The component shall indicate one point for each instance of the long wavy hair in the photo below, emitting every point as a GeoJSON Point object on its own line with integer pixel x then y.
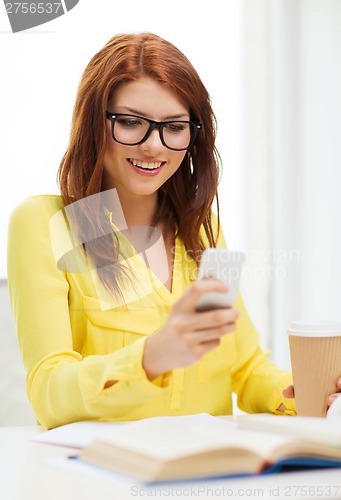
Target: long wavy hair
{"type": "Point", "coordinates": [186, 198]}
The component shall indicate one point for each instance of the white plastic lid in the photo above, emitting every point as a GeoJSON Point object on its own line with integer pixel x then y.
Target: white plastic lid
{"type": "Point", "coordinates": [315, 328]}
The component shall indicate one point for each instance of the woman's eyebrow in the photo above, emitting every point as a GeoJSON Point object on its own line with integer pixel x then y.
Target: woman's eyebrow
{"type": "Point", "coordinates": [141, 113]}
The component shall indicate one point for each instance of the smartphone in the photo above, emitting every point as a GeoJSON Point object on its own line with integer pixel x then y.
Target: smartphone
{"type": "Point", "coordinates": [226, 266]}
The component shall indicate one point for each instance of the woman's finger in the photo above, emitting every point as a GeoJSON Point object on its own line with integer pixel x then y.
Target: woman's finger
{"type": "Point", "coordinates": [332, 397]}
{"type": "Point", "coordinates": [205, 320]}
{"type": "Point", "coordinates": [188, 301]}
{"type": "Point", "coordinates": [204, 336]}
{"type": "Point", "coordinates": [289, 392]}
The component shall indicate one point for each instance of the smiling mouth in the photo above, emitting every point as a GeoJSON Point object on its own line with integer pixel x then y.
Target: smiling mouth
{"type": "Point", "coordinates": [146, 165]}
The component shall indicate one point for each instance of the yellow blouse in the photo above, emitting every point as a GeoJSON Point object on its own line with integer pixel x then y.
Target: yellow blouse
{"type": "Point", "coordinates": [73, 342]}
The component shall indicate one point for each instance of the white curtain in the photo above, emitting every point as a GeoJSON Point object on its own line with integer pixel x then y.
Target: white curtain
{"type": "Point", "coordinates": [292, 163]}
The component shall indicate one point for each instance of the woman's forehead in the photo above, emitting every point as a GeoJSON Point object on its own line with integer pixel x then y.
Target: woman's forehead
{"type": "Point", "coordinates": [146, 95]}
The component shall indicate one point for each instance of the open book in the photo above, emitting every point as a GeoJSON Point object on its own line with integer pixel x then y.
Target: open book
{"type": "Point", "coordinates": [196, 446]}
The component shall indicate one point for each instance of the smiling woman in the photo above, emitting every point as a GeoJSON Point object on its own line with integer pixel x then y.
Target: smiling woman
{"type": "Point", "coordinates": [153, 149]}
{"type": "Point", "coordinates": [103, 335]}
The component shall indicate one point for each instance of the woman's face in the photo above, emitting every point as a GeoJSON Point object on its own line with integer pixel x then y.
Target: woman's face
{"type": "Point", "coordinates": [142, 169]}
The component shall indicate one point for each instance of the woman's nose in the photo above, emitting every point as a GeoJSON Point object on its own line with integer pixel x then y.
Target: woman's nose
{"type": "Point", "coordinates": [153, 143]}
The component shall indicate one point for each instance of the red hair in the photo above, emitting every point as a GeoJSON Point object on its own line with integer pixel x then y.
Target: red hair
{"type": "Point", "coordinates": [185, 200]}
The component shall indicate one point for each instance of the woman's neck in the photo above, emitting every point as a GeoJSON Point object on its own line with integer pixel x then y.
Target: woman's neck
{"type": "Point", "coordinates": [139, 210]}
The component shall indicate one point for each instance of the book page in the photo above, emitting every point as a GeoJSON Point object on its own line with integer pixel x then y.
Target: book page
{"type": "Point", "coordinates": [76, 435]}
{"type": "Point", "coordinates": [315, 429]}
{"type": "Point", "coordinates": [172, 437]}
{"type": "Point", "coordinates": [80, 434]}
{"type": "Point", "coordinates": [167, 438]}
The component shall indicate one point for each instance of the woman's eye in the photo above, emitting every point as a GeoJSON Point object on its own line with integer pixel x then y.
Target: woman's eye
{"type": "Point", "coordinates": [129, 122]}
{"type": "Point", "coordinates": [175, 127]}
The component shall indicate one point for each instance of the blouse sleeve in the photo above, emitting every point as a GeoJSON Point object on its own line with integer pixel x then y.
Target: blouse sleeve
{"type": "Point", "coordinates": [256, 380]}
{"type": "Point", "coordinates": [62, 386]}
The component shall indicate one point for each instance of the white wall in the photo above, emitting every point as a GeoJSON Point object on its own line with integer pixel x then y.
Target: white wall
{"type": "Point", "coordinates": [41, 69]}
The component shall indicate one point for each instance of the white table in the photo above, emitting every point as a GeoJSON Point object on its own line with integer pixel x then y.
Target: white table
{"type": "Point", "coordinates": [35, 471]}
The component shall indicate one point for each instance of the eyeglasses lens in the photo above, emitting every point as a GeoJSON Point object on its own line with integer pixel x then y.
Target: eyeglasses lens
{"type": "Point", "coordinates": [131, 130]}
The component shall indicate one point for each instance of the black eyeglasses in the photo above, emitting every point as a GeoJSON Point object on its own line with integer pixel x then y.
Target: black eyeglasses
{"type": "Point", "coordinates": [132, 130]}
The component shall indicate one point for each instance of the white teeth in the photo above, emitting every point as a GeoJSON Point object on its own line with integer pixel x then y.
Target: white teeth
{"type": "Point", "coordinates": [144, 164]}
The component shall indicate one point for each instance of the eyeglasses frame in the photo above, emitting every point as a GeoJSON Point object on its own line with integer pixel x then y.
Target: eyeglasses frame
{"type": "Point", "coordinates": [154, 125]}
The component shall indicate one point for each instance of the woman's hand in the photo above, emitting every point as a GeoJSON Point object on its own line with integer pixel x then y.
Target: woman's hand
{"type": "Point", "coordinates": [335, 395]}
{"type": "Point", "coordinates": [289, 392]}
{"type": "Point", "coordinates": [188, 335]}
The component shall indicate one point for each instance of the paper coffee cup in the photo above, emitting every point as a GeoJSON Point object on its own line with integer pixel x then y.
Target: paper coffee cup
{"type": "Point", "coordinates": [315, 352]}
